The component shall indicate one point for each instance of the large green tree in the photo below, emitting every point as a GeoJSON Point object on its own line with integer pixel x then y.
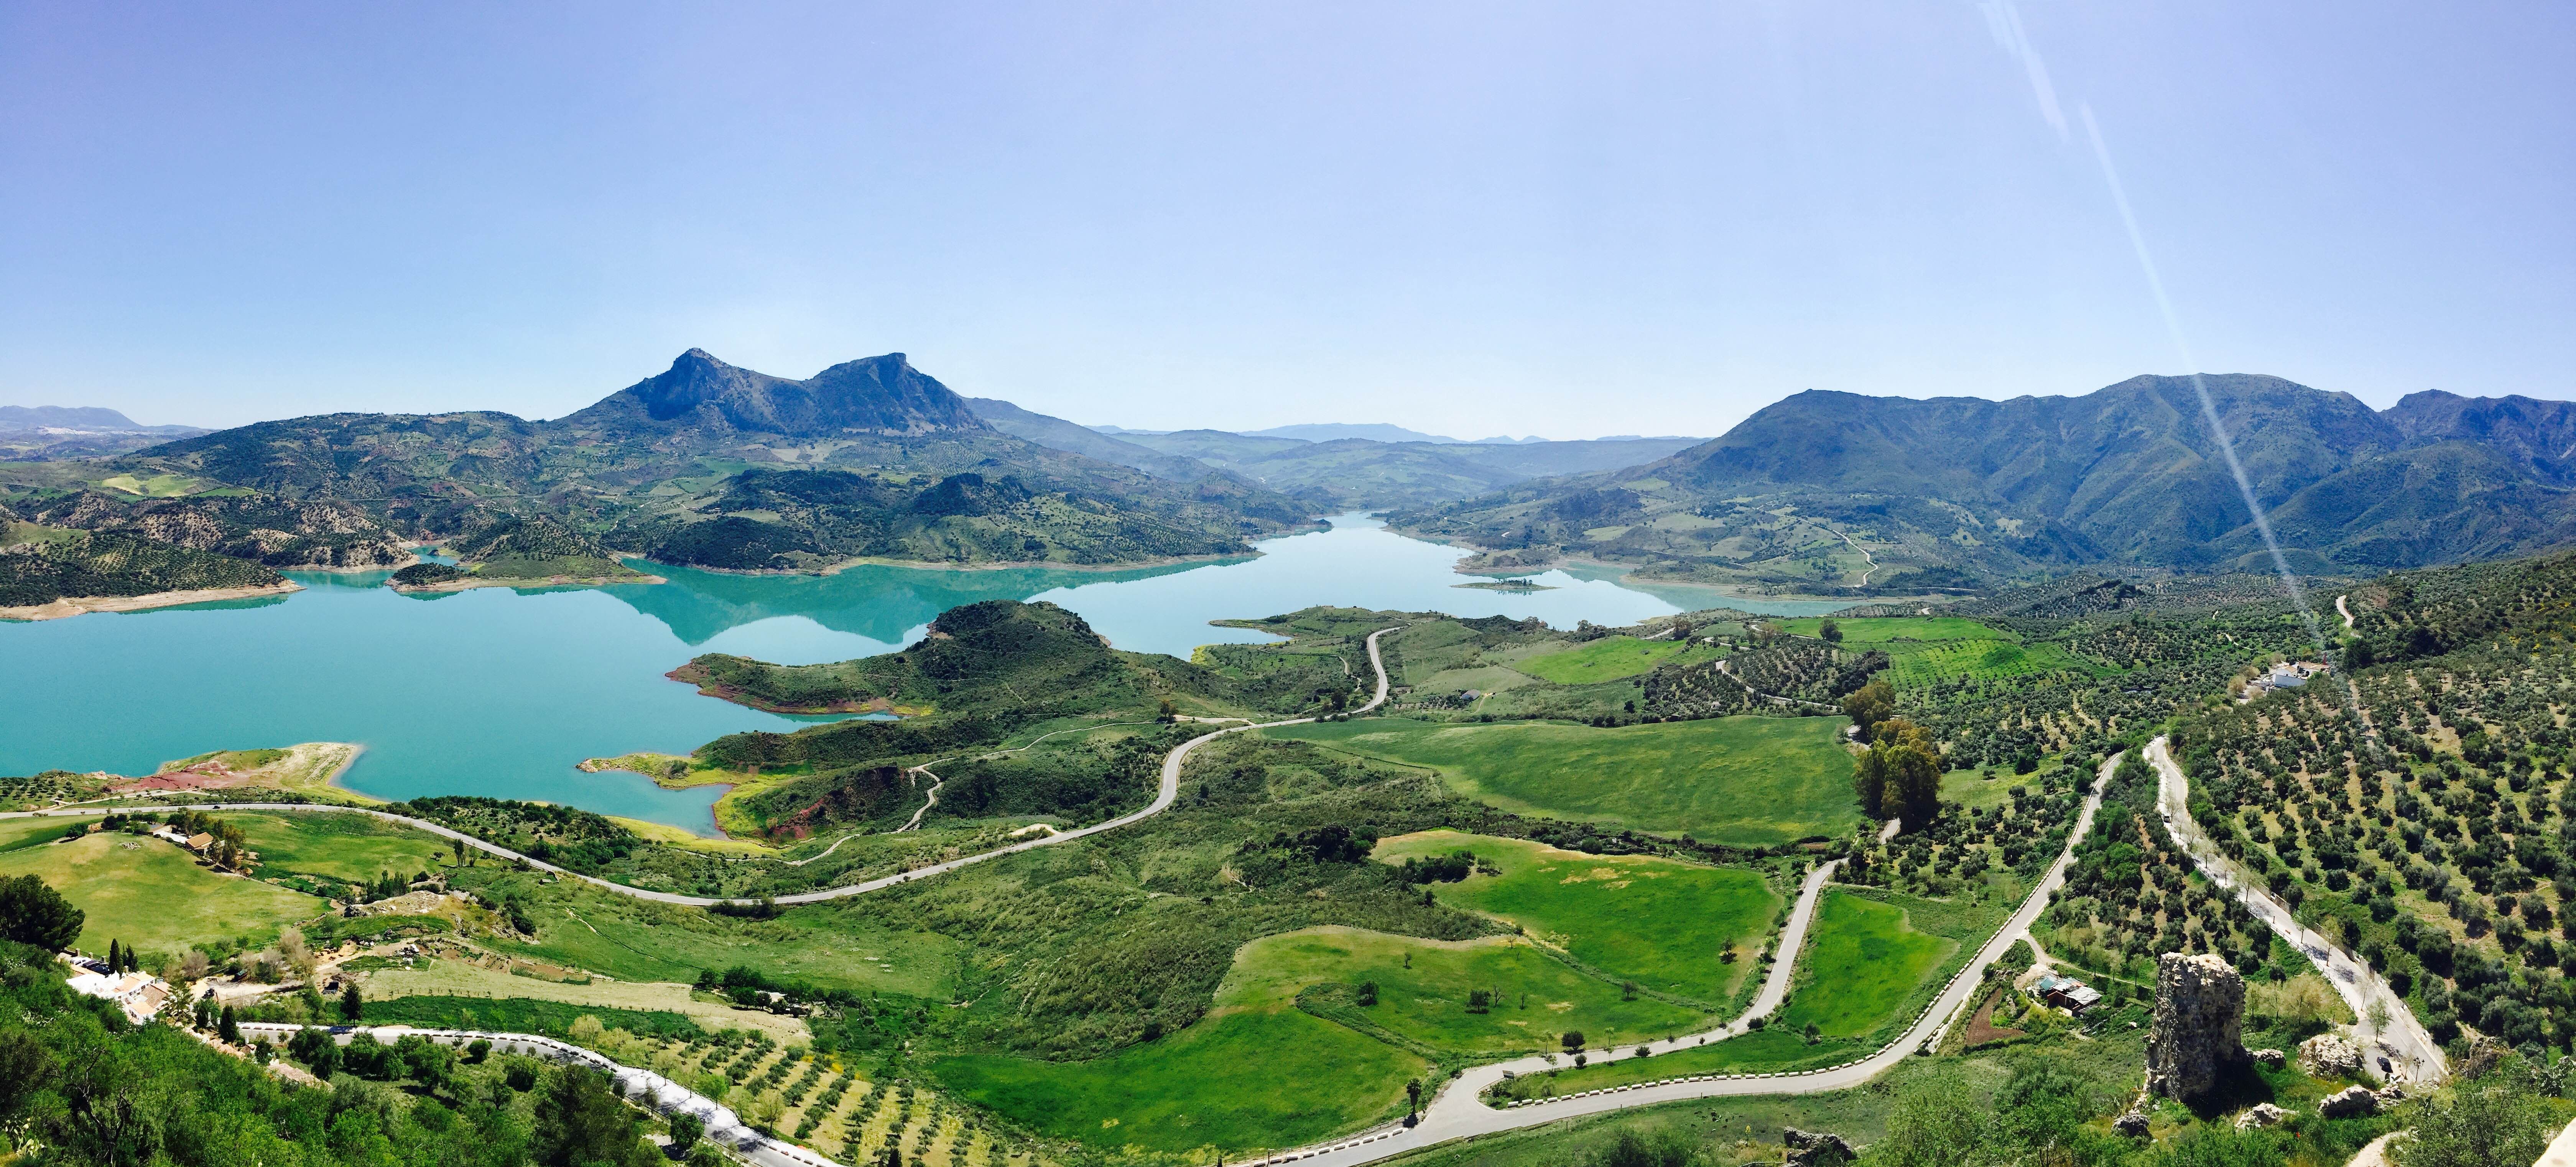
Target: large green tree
{"type": "Point", "coordinates": [582, 1123]}
{"type": "Point", "coordinates": [32, 912]}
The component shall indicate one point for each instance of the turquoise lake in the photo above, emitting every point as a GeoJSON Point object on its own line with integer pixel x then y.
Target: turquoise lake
{"type": "Point", "coordinates": [499, 692]}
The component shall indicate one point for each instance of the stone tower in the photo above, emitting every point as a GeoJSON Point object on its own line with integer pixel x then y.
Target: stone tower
{"type": "Point", "coordinates": [2200, 1002]}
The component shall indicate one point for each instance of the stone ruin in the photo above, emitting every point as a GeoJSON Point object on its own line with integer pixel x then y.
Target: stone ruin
{"type": "Point", "coordinates": [2196, 1035]}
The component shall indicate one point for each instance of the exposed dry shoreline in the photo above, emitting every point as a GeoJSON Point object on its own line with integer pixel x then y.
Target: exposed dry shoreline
{"type": "Point", "coordinates": [76, 605]}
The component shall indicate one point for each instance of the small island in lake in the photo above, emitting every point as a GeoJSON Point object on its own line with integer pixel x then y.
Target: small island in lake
{"type": "Point", "coordinates": [1507, 585]}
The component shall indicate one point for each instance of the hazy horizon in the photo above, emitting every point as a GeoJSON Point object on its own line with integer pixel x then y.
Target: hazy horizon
{"type": "Point", "coordinates": [1553, 220]}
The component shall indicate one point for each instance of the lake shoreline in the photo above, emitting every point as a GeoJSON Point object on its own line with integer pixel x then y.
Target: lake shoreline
{"type": "Point", "coordinates": [469, 583]}
{"type": "Point", "coordinates": [82, 605]}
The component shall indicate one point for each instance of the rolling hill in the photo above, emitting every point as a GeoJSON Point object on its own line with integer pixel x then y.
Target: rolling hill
{"type": "Point", "coordinates": [1842, 493]}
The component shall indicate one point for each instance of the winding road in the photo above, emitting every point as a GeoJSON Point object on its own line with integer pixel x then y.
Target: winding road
{"type": "Point", "coordinates": [2411, 1051]}
{"type": "Point", "coordinates": [1459, 1110]}
{"type": "Point", "coordinates": [1163, 799]}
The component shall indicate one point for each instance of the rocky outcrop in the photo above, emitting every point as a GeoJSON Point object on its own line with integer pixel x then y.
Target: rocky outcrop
{"type": "Point", "coordinates": [2328, 1056]}
{"type": "Point", "coordinates": [2272, 1059]}
{"type": "Point", "coordinates": [1815, 1148]}
{"type": "Point", "coordinates": [2350, 1102]}
{"type": "Point", "coordinates": [2262, 1114]}
{"type": "Point", "coordinates": [2195, 1037]}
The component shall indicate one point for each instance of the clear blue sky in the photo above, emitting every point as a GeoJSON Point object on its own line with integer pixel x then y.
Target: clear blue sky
{"type": "Point", "coordinates": [1565, 219]}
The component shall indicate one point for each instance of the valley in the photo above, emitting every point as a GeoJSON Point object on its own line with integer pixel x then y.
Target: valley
{"type": "Point", "coordinates": [967, 875]}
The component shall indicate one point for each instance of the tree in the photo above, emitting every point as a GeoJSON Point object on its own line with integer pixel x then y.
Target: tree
{"type": "Point", "coordinates": [1908, 764]}
{"type": "Point", "coordinates": [458, 846]}
{"type": "Point", "coordinates": [1830, 631]}
{"type": "Point", "coordinates": [1870, 704]}
{"type": "Point", "coordinates": [1412, 1098]}
{"type": "Point", "coordinates": [228, 1027]}
{"type": "Point", "coordinates": [353, 1005]}
{"type": "Point", "coordinates": [26, 1068]}
{"type": "Point", "coordinates": [686, 1129]}
{"type": "Point", "coordinates": [32, 912]}
{"type": "Point", "coordinates": [580, 1121]}
{"type": "Point", "coordinates": [2495, 1119]}
{"type": "Point", "coordinates": [1573, 1039]}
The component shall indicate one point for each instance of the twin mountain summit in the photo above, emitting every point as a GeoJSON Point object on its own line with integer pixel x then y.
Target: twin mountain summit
{"type": "Point", "coordinates": [1823, 493]}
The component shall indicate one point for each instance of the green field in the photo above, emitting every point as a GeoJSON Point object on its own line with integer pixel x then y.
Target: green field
{"type": "Point", "coordinates": [1762, 1051]}
{"type": "Point", "coordinates": [1881, 630]}
{"type": "Point", "coordinates": [1259, 1072]}
{"type": "Point", "coordinates": [1611, 658]}
{"type": "Point", "coordinates": [1861, 962]}
{"type": "Point", "coordinates": [1922, 664]}
{"type": "Point", "coordinates": [1256, 1072]}
{"type": "Point", "coordinates": [1659, 922]}
{"type": "Point", "coordinates": [1423, 987]}
{"type": "Point", "coordinates": [152, 895]}
{"type": "Point", "coordinates": [637, 940]}
{"type": "Point", "coordinates": [1750, 781]}
{"type": "Point", "coordinates": [341, 846]}
{"type": "Point", "coordinates": [1924, 649]}
{"type": "Point", "coordinates": [18, 833]}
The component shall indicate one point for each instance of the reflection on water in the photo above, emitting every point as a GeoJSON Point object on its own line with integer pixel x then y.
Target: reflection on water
{"type": "Point", "coordinates": [498, 692]}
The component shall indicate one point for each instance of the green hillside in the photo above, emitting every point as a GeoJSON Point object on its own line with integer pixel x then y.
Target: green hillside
{"type": "Point", "coordinates": [1837, 493]}
{"type": "Point", "coordinates": [42, 570]}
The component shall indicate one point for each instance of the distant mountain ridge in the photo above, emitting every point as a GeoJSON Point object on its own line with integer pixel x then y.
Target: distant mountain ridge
{"type": "Point", "coordinates": [881, 460]}
{"type": "Point", "coordinates": [877, 395]}
{"type": "Point", "coordinates": [43, 433]}
{"type": "Point", "coordinates": [2126, 475]}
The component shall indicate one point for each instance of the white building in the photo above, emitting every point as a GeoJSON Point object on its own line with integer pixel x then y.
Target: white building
{"type": "Point", "coordinates": [142, 994]}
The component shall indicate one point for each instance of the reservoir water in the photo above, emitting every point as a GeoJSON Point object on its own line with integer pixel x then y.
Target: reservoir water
{"type": "Point", "coordinates": [499, 692]}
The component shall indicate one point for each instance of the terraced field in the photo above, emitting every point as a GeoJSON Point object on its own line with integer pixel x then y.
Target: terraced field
{"type": "Point", "coordinates": [819, 1102]}
{"type": "Point", "coordinates": [1924, 649]}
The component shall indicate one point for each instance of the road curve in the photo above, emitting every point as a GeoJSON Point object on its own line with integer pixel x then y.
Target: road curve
{"type": "Point", "coordinates": [643, 1087]}
{"type": "Point", "coordinates": [1459, 1111]}
{"type": "Point", "coordinates": [2412, 1052]}
{"type": "Point", "coordinates": [2344, 612]}
{"type": "Point", "coordinates": [1163, 799]}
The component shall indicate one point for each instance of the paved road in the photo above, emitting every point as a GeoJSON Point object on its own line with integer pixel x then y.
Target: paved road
{"type": "Point", "coordinates": [1459, 1110]}
{"type": "Point", "coordinates": [1163, 799]}
{"type": "Point", "coordinates": [2411, 1051]}
{"type": "Point", "coordinates": [644, 1086]}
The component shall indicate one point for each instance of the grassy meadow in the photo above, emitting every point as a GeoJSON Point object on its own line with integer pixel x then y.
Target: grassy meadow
{"type": "Point", "coordinates": [1423, 988]}
{"type": "Point", "coordinates": [1863, 959]}
{"type": "Point", "coordinates": [637, 940]}
{"type": "Point", "coordinates": [341, 846]}
{"type": "Point", "coordinates": [152, 895]}
{"type": "Point", "coordinates": [1750, 781]}
{"type": "Point", "coordinates": [1256, 1072]}
{"type": "Point", "coordinates": [1611, 658]}
{"type": "Point", "coordinates": [1657, 921]}
{"type": "Point", "coordinates": [1247, 1075]}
